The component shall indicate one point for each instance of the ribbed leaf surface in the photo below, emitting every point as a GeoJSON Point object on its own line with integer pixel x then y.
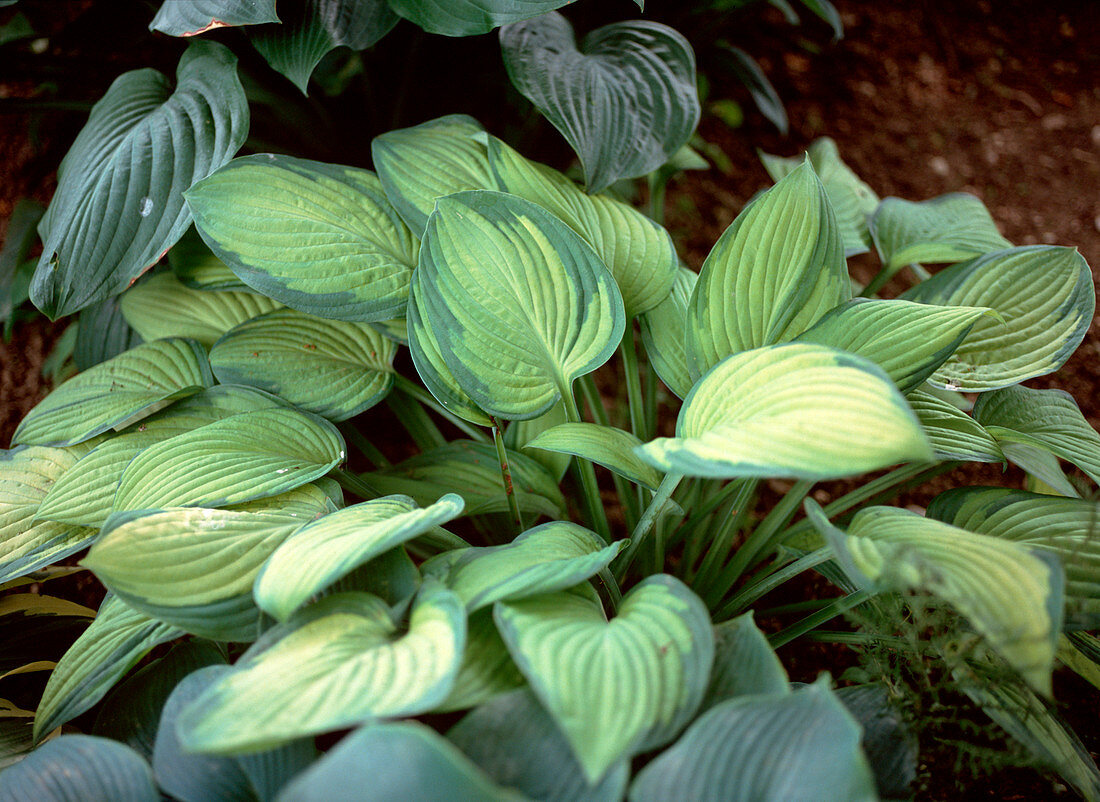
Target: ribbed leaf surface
{"type": "Point", "coordinates": [320, 238]}
{"type": "Point", "coordinates": [626, 100]}
{"type": "Point", "coordinates": [604, 445]}
{"type": "Point", "coordinates": [664, 329]}
{"type": "Point", "coordinates": [744, 663]}
{"type": "Point", "coordinates": [119, 201]}
{"type": "Point", "coordinates": [487, 670]}
{"type": "Point", "coordinates": [79, 768]}
{"type": "Point", "coordinates": [954, 435]}
{"type": "Point", "coordinates": [192, 17]}
{"type": "Point", "coordinates": [470, 17]}
{"type": "Point", "coordinates": [198, 268]}
{"type": "Point", "coordinates": [103, 333]}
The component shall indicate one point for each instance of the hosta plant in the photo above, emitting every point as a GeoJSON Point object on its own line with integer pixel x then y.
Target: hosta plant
{"type": "Point", "coordinates": [368, 464]}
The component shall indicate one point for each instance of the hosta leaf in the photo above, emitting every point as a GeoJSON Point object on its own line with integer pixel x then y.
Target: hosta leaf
{"type": "Point", "coordinates": [744, 663]}
{"type": "Point", "coordinates": [338, 663]}
{"type": "Point", "coordinates": [1011, 594]}
{"type": "Point", "coordinates": [320, 238]}
{"type": "Point", "coordinates": [26, 476]}
{"type": "Point", "coordinates": [760, 88]}
{"type": "Point", "coordinates": [487, 669]}
{"type": "Point", "coordinates": [949, 228]}
{"type": "Point", "coordinates": [554, 312]}
{"type": "Point", "coordinates": [119, 200]}
{"type": "Point", "coordinates": [114, 643]}
{"type": "Point", "coordinates": [102, 333]}
{"type": "Point", "coordinates": [954, 435]}
{"type": "Point", "coordinates": [470, 17]}
{"type": "Point", "coordinates": [313, 28]}
{"type": "Point", "coordinates": [515, 741]}
{"type": "Point", "coordinates": [773, 273]}
{"type": "Point", "coordinates": [604, 445]}
{"type": "Point", "coordinates": [664, 330]}
{"type": "Point", "coordinates": [1038, 329]}
{"type": "Point", "coordinates": [333, 368]}
{"type": "Point", "coordinates": [192, 17]}
{"type": "Point", "coordinates": [1045, 419]}
{"type": "Point", "coordinates": [430, 475]}
{"type": "Point", "coordinates": [391, 576]}
{"type": "Point", "coordinates": [798, 410]}
{"type": "Point", "coordinates": [78, 768]}
{"type": "Point", "coordinates": [888, 741]}
{"type": "Point", "coordinates": [420, 164]}
{"type": "Point", "coordinates": [907, 340]}
{"type": "Point", "coordinates": [546, 559]}
{"type": "Point", "coordinates": [626, 100]}
{"type": "Point", "coordinates": [852, 200]}
{"type": "Point", "coordinates": [637, 251]}
{"type": "Point", "coordinates": [198, 268]}
{"type": "Point", "coordinates": [659, 646]}
{"type": "Point", "coordinates": [231, 461]}
{"type": "Point", "coordinates": [519, 433]}
{"type": "Point", "coordinates": [322, 552]}
{"type": "Point", "coordinates": [1041, 466]}
{"type": "Point", "coordinates": [1068, 527]}
{"type": "Point", "coordinates": [384, 762]}
{"type": "Point", "coordinates": [801, 746]}
{"type": "Point", "coordinates": [163, 307]}
{"type": "Point", "coordinates": [116, 393]}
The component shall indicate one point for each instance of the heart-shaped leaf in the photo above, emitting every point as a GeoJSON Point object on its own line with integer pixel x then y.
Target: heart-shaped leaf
{"type": "Point", "coordinates": [487, 669]}
{"type": "Point", "coordinates": [554, 314]}
{"type": "Point", "coordinates": [1037, 330]}
{"type": "Point", "coordinates": [163, 307]}
{"type": "Point", "coordinates": [471, 17]}
{"type": "Point", "coordinates": [322, 552]}
{"type": "Point", "coordinates": [663, 333]}
{"type": "Point", "coordinates": [626, 100]}
{"type": "Point", "coordinates": [77, 768]}
{"type": "Point", "coordinates": [604, 445]}
{"type": "Point", "coordinates": [333, 368]}
{"type": "Point", "coordinates": [798, 410]}
{"type": "Point", "coordinates": [773, 273]}
{"type": "Point", "coordinates": [954, 435]}
{"type": "Point", "coordinates": [119, 200]}
{"type": "Point", "coordinates": [116, 393]}
{"type": "Point", "coordinates": [320, 238]}
{"type": "Point", "coordinates": [659, 645]}
{"type": "Point", "coordinates": [744, 663]}
{"type": "Point", "coordinates": [340, 662]}
{"type": "Point", "coordinates": [192, 17]}
{"type": "Point", "coordinates": [546, 559]}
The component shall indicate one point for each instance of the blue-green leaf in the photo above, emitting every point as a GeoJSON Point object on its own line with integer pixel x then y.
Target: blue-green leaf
{"type": "Point", "coordinates": [193, 17]}
{"type": "Point", "coordinates": [470, 17]}
{"type": "Point", "coordinates": [80, 768]}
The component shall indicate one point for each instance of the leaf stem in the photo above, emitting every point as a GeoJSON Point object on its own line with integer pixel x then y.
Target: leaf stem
{"type": "Point", "coordinates": [597, 515]}
{"type": "Point", "coordinates": [412, 390]}
{"type": "Point", "coordinates": [752, 593]}
{"type": "Point", "coordinates": [649, 517]}
{"type": "Point", "coordinates": [633, 383]}
{"type": "Point", "coordinates": [366, 447]}
{"type": "Point", "coordinates": [722, 542]}
{"type": "Point", "coordinates": [355, 484]}
{"type": "Point", "coordinates": [627, 497]}
{"type": "Point", "coordinates": [828, 613]}
{"type": "Point", "coordinates": [506, 475]}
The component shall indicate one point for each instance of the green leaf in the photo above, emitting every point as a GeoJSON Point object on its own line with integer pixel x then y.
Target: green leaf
{"type": "Point", "coordinates": [907, 340]}
{"type": "Point", "coordinates": [198, 268]}
{"type": "Point", "coordinates": [1045, 419]}
{"type": "Point", "coordinates": [888, 741]}
{"type": "Point", "coordinates": [744, 663]}
{"type": "Point", "coordinates": [663, 333]}
{"type": "Point", "coordinates": [323, 551]}
{"type": "Point", "coordinates": [626, 100]}
{"type": "Point", "coordinates": [604, 445]}
{"type": "Point", "coordinates": [313, 28]}
{"type": "Point", "coordinates": [116, 393]}
{"type": "Point", "coordinates": [19, 238]}
{"type": "Point", "coordinates": [384, 762]}
{"type": "Point", "coordinates": [78, 768]}
{"type": "Point", "coordinates": [954, 435]}
{"type": "Point", "coordinates": [1041, 466]}
{"type": "Point", "coordinates": [1066, 527]}
{"type": "Point", "coordinates": [1038, 329]}
{"type": "Point", "coordinates": [472, 17]}
{"type": "Point", "coordinates": [420, 164]}
{"type": "Point", "coordinates": [163, 307]}
{"type": "Point", "coordinates": [760, 88]}
{"type": "Point", "coordinates": [102, 333]}
{"type": "Point", "coordinates": [1010, 594]}
{"type": "Point", "coordinates": [773, 273]}
{"type": "Point", "coordinates": [852, 200]}
{"type": "Point", "coordinates": [340, 662]}
{"type": "Point", "coordinates": [801, 746]}
{"type": "Point", "coordinates": [796, 410]}
{"type": "Point", "coordinates": [487, 670]}
{"type": "Point", "coordinates": [119, 200]}
{"type": "Point", "coordinates": [114, 643]}
{"type": "Point", "coordinates": [521, 432]}
{"type": "Point", "coordinates": [555, 313]}
{"type": "Point", "coordinates": [950, 228]}
{"type": "Point", "coordinates": [320, 238]}
{"type": "Point", "coordinates": [658, 649]}
{"type": "Point", "coordinates": [430, 475]}
{"type": "Point", "coordinates": [192, 17]}
{"type": "Point", "coordinates": [515, 741]}
{"type": "Point", "coordinates": [637, 251]}
{"type": "Point", "coordinates": [333, 368]}
{"type": "Point", "coordinates": [231, 461]}
{"type": "Point", "coordinates": [546, 559]}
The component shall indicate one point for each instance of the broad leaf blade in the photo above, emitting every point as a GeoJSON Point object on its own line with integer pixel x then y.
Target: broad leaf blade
{"type": "Point", "coordinates": [487, 669]}
{"type": "Point", "coordinates": [604, 445]}
{"type": "Point", "coordinates": [664, 331]}
{"type": "Point", "coordinates": [193, 17]}
{"type": "Point", "coordinates": [472, 17]}
{"type": "Point", "coordinates": [744, 663]}
{"type": "Point", "coordinates": [950, 228]}
{"type": "Point", "coordinates": [954, 435]}
{"type": "Point", "coordinates": [76, 768]}
{"type": "Point", "coordinates": [102, 333]}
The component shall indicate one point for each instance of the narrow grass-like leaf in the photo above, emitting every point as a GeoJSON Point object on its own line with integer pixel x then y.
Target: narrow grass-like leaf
{"type": "Point", "coordinates": [78, 768]}
{"type": "Point", "coordinates": [1038, 329]}
{"type": "Point", "coordinates": [340, 662]}
{"type": "Point", "coordinates": [487, 668]}
{"type": "Point", "coordinates": [604, 445]}
{"type": "Point", "coordinates": [322, 552]}
{"type": "Point", "coordinates": [192, 17]}
{"type": "Point", "coordinates": [664, 330]}
{"type": "Point", "coordinates": [798, 410]}
{"type": "Point", "coordinates": [744, 663]}
{"type": "Point", "coordinates": [773, 273]}
{"type": "Point", "coordinates": [320, 238]}
{"type": "Point", "coordinates": [519, 304]}
{"type": "Point", "coordinates": [954, 435]}
{"type": "Point", "coordinates": [119, 201]}
{"type": "Point", "coordinates": [760, 88]}
{"type": "Point", "coordinates": [333, 368]}
{"type": "Point", "coordinates": [626, 100]}
{"type": "Point", "coordinates": [470, 17]}
{"type": "Point", "coordinates": [116, 393]}
{"type": "Point", "coordinates": [163, 307]}
{"type": "Point", "coordinates": [659, 645]}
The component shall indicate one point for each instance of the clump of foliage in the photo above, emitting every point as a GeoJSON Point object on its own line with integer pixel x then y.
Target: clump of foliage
{"type": "Point", "coordinates": [248, 389]}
